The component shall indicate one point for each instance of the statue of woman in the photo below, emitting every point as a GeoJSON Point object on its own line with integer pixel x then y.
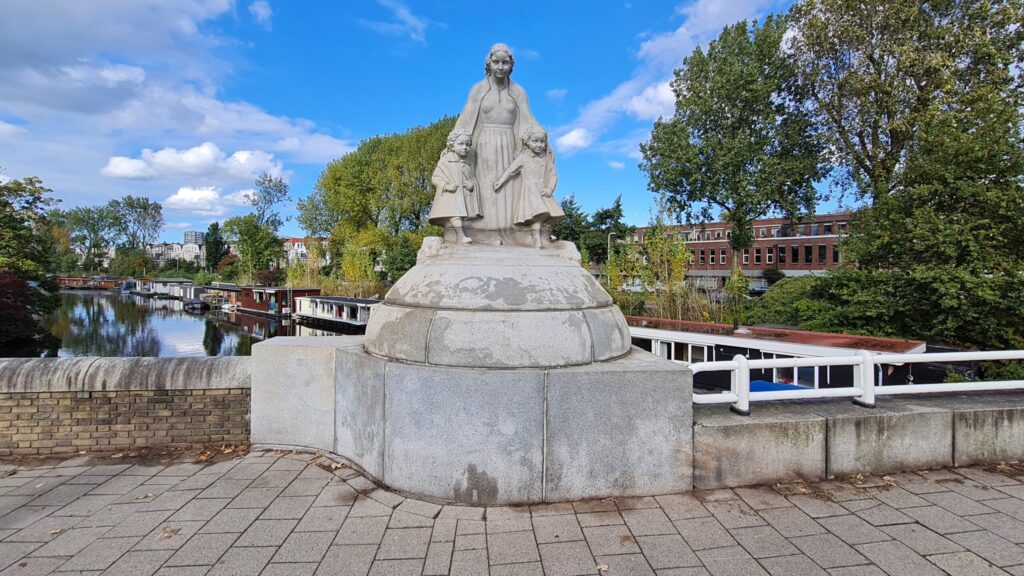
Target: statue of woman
{"type": "Point", "coordinates": [495, 114]}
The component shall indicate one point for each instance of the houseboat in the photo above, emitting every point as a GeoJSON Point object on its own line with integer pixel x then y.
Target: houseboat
{"type": "Point", "coordinates": [692, 342]}
{"type": "Point", "coordinates": [335, 311]}
{"type": "Point", "coordinates": [222, 295]}
{"type": "Point", "coordinates": [272, 300]}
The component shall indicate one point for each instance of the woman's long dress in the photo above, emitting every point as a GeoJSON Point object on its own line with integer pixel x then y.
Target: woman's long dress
{"type": "Point", "coordinates": [495, 149]}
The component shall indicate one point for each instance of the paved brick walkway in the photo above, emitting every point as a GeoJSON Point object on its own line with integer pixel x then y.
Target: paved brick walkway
{"type": "Point", "coordinates": [278, 514]}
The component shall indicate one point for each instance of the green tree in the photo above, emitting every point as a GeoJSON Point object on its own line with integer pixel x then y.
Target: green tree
{"type": "Point", "coordinates": [259, 248]}
{"type": "Point", "coordinates": [270, 191]}
{"type": "Point", "coordinates": [137, 221]}
{"type": "Point", "coordinates": [132, 262]}
{"type": "Point", "coordinates": [92, 229]}
{"type": "Point", "coordinates": [214, 245]}
{"type": "Point", "coordinates": [575, 224]}
{"type": "Point", "coordinates": [740, 141]}
{"type": "Point", "coordinates": [605, 221]}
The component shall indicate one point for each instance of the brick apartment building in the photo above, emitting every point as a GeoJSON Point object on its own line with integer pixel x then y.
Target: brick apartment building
{"type": "Point", "coordinates": [796, 249]}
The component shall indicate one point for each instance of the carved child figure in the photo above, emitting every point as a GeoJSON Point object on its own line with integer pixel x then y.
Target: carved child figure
{"type": "Point", "coordinates": [535, 206]}
{"type": "Point", "coordinates": [456, 196]}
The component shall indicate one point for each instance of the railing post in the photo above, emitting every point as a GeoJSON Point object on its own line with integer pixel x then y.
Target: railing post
{"type": "Point", "coordinates": [864, 378]}
{"type": "Point", "coordinates": [741, 386]}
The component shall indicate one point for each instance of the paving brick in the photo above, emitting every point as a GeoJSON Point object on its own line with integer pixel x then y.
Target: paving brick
{"type": "Point", "coordinates": [734, 514]}
{"type": "Point", "coordinates": [460, 513]}
{"type": "Point", "coordinates": [973, 490]}
{"type": "Point", "coordinates": [682, 506]}
{"type": "Point", "coordinates": [468, 563]}
{"type": "Point", "coordinates": [242, 561]}
{"type": "Point", "coordinates": [987, 478]}
{"type": "Point", "coordinates": [255, 498]}
{"type": "Point", "coordinates": [853, 529]}
{"type": "Point", "coordinates": [336, 495]}
{"type": "Point", "coordinates": [940, 520]}
{"type": "Point", "coordinates": [527, 569]}
{"type": "Point", "coordinates": [610, 540]}
{"type": "Point", "coordinates": [921, 539]}
{"type": "Point", "coordinates": [419, 508]}
{"type": "Point", "coordinates": [730, 561]}
{"type": "Point", "coordinates": [565, 559]}
{"type": "Point", "coordinates": [763, 542]}
{"type": "Point", "coordinates": [512, 548]}
{"type": "Point", "coordinates": [142, 563]}
{"type": "Point", "coordinates": [34, 567]}
{"type": "Point", "coordinates": [599, 519]}
{"type": "Point", "coordinates": [502, 525]}
{"type": "Point", "coordinates": [895, 558]}
{"type": "Point", "coordinates": [957, 503]}
{"type": "Point", "coordinates": [964, 564]}
{"type": "Point", "coordinates": [347, 560]}
{"type": "Point", "coordinates": [879, 514]}
{"type": "Point", "coordinates": [587, 506]}
{"type": "Point", "coordinates": [168, 536]}
{"type": "Point", "coordinates": [828, 551]}
{"type": "Point", "coordinates": [1001, 525]}
{"type": "Point", "coordinates": [704, 533]}
{"type": "Point", "coordinates": [396, 568]}
{"type": "Point", "coordinates": [762, 498]}
{"type": "Point", "coordinates": [71, 542]}
{"type": "Point", "coordinates": [470, 542]}
{"type": "Point", "coordinates": [667, 551]}
{"type": "Point", "coordinates": [290, 569]}
{"type": "Point", "coordinates": [439, 559]}
{"type": "Point", "coordinates": [287, 508]}
{"type": "Point", "coordinates": [898, 497]}
{"type": "Point", "coordinates": [202, 549]}
{"type": "Point", "coordinates": [404, 543]}
{"type": "Point", "coordinates": [792, 522]}
{"type": "Point", "coordinates": [470, 527]}
{"type": "Point", "coordinates": [444, 530]}
{"type": "Point", "coordinates": [552, 509]}
{"type": "Point", "coordinates": [231, 520]}
{"type": "Point", "coordinates": [304, 547]}
{"type": "Point", "coordinates": [100, 554]}
{"type": "Point", "coordinates": [648, 522]}
{"type": "Point", "coordinates": [323, 519]}
{"type": "Point", "coordinates": [797, 565]}
{"type": "Point", "coordinates": [563, 528]}
{"type": "Point", "coordinates": [624, 565]}
{"type": "Point", "coordinates": [817, 507]}
{"type": "Point", "coordinates": [369, 530]}
{"type": "Point", "coordinates": [995, 549]}
{"type": "Point", "coordinates": [266, 533]}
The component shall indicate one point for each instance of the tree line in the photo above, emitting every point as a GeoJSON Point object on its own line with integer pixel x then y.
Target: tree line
{"type": "Point", "coordinates": [911, 109]}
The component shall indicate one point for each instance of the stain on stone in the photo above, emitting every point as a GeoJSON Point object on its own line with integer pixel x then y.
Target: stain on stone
{"type": "Point", "coordinates": [475, 487]}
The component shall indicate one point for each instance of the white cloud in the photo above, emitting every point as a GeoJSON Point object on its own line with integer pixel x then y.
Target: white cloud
{"type": "Point", "coordinates": [616, 165]}
{"type": "Point", "coordinates": [575, 139]}
{"type": "Point", "coordinates": [646, 94]}
{"type": "Point", "coordinates": [8, 130]}
{"type": "Point", "coordinates": [177, 226]}
{"type": "Point", "coordinates": [261, 11]}
{"type": "Point", "coordinates": [556, 93]}
{"type": "Point", "coordinates": [656, 101]}
{"type": "Point", "coordinates": [404, 22]}
{"type": "Point", "coordinates": [206, 200]}
{"type": "Point", "coordinates": [206, 161]}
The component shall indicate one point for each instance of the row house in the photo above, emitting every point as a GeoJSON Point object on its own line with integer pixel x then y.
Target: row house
{"type": "Point", "coordinates": [298, 250]}
{"type": "Point", "coordinates": [796, 249]}
{"type": "Point", "coordinates": [167, 251]}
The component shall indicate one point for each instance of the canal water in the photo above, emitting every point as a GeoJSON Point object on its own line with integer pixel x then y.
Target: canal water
{"type": "Point", "coordinates": [115, 324]}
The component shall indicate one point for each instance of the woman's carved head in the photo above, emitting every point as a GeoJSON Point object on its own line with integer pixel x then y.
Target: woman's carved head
{"type": "Point", "coordinates": [500, 61]}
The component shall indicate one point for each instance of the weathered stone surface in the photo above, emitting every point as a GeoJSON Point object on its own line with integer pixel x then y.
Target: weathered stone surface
{"type": "Point", "coordinates": [509, 340]}
{"type": "Point", "coordinates": [730, 450]}
{"type": "Point", "coordinates": [44, 374]}
{"type": "Point", "coordinates": [359, 409]}
{"type": "Point", "coordinates": [986, 427]}
{"type": "Point", "coordinates": [890, 438]}
{"type": "Point", "coordinates": [619, 428]}
{"type": "Point", "coordinates": [473, 436]}
{"type": "Point", "coordinates": [293, 390]}
{"type": "Point", "coordinates": [400, 333]}
{"type": "Point", "coordinates": [611, 337]}
{"type": "Point", "coordinates": [103, 374]}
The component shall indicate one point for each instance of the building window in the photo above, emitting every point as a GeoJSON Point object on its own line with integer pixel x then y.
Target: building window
{"type": "Point", "coordinates": [721, 257]}
{"type": "Point", "coordinates": [828, 228]}
{"type": "Point", "coordinates": [702, 257]}
{"type": "Point", "coordinates": [757, 255]}
{"type": "Point", "coordinates": [693, 255]}
{"type": "Point", "coordinates": [764, 232]}
{"type": "Point", "coordinates": [842, 227]}
{"type": "Point", "coordinates": [835, 254]}
{"type": "Point", "coordinates": [707, 235]}
{"type": "Point", "coordinates": [808, 254]}
{"type": "Point", "coordinates": [728, 234]}
{"type": "Point", "coordinates": [775, 232]}
{"type": "Point", "coordinates": [769, 253]}
{"type": "Point", "coordinates": [782, 254]}
{"type": "Point", "coordinates": [718, 234]}
{"type": "Point", "coordinates": [822, 256]}
{"type": "Point", "coordinates": [712, 256]}
{"type": "Point", "coordinates": [746, 256]}
{"type": "Point", "coordinates": [795, 253]}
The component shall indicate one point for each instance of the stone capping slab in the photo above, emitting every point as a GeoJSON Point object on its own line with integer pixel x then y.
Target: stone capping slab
{"type": "Point", "coordinates": [20, 375]}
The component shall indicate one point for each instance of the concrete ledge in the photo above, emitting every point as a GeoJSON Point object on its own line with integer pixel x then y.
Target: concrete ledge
{"type": "Point", "coordinates": [109, 374]}
{"type": "Point", "coordinates": [773, 444]}
{"type": "Point", "coordinates": [987, 428]}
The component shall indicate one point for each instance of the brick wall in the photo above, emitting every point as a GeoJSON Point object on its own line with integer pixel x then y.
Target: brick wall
{"type": "Point", "coordinates": [53, 406]}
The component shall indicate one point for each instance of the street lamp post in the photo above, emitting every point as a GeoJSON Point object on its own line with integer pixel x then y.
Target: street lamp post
{"type": "Point", "coordinates": [607, 258]}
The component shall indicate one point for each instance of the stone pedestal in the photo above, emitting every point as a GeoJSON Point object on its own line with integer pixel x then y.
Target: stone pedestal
{"type": "Point", "coordinates": [480, 436]}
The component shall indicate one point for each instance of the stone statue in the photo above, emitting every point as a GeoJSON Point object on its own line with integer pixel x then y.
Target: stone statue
{"type": "Point", "coordinates": [496, 114]}
{"type": "Point", "coordinates": [455, 186]}
{"type": "Point", "coordinates": [535, 206]}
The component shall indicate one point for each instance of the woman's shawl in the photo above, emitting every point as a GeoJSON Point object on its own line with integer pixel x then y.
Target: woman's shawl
{"type": "Point", "coordinates": [468, 120]}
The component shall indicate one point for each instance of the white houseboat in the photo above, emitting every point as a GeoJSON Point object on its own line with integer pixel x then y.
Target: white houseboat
{"type": "Point", "coordinates": [335, 311]}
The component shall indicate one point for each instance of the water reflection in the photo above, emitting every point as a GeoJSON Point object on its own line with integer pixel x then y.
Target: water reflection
{"type": "Point", "coordinates": [113, 324]}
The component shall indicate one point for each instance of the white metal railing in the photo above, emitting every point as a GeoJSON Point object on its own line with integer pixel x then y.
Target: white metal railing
{"type": "Point", "coordinates": [864, 387]}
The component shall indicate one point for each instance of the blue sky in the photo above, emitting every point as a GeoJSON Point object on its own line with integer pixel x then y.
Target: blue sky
{"type": "Point", "coordinates": [185, 101]}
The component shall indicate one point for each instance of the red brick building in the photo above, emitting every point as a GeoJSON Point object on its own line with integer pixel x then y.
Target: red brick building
{"type": "Point", "coordinates": [796, 249]}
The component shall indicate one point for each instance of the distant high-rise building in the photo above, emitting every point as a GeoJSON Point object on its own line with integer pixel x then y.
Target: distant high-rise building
{"type": "Point", "coordinates": [193, 237]}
